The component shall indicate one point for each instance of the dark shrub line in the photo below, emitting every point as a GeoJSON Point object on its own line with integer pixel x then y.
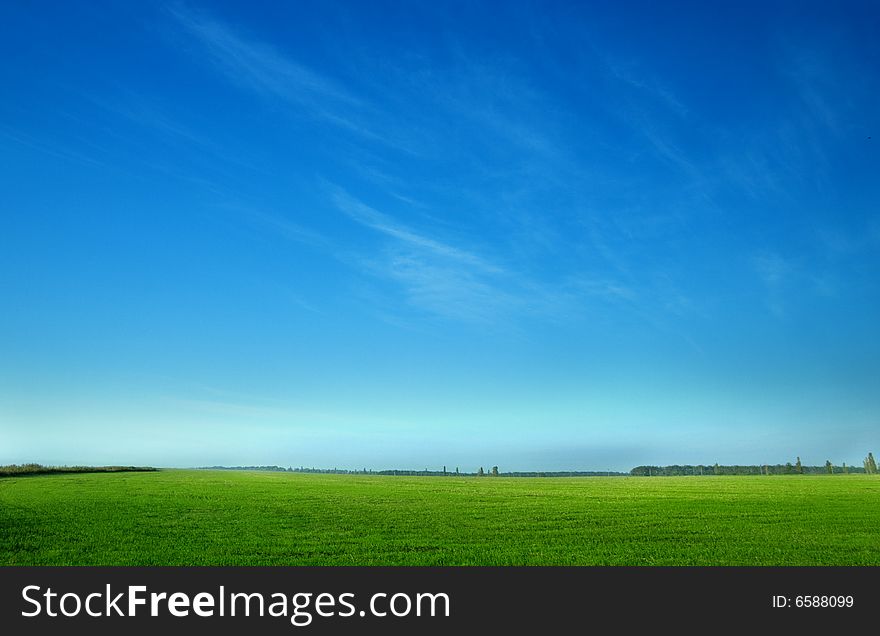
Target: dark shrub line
{"type": "Point", "coordinates": [38, 469]}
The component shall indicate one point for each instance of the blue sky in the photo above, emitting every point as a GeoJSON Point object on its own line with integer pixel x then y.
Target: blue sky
{"type": "Point", "coordinates": [537, 235]}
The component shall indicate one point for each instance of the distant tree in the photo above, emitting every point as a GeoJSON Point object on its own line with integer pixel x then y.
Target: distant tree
{"type": "Point", "coordinates": [788, 468]}
{"type": "Point", "coordinates": [716, 469]}
{"type": "Point", "coordinates": [480, 472]}
{"type": "Point", "coordinates": [845, 469]}
{"type": "Point", "coordinates": [494, 471]}
{"type": "Point", "coordinates": [870, 464]}
{"type": "Point", "coordinates": [444, 470]}
{"type": "Point", "coordinates": [798, 468]}
{"type": "Point", "coordinates": [456, 470]}
{"type": "Point", "coordinates": [829, 468]}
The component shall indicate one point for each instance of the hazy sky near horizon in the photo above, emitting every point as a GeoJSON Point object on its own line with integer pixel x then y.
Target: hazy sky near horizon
{"type": "Point", "coordinates": [538, 235]}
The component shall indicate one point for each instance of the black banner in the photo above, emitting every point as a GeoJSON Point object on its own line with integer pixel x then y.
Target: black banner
{"type": "Point", "coordinates": [433, 600]}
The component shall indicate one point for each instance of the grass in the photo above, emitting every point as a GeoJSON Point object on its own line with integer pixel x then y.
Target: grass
{"type": "Point", "coordinates": [240, 518]}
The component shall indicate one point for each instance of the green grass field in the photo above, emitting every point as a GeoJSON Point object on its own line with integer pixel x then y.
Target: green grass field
{"type": "Point", "coordinates": [238, 518]}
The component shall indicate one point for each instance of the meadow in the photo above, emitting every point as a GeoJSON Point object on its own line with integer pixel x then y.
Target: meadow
{"type": "Point", "coordinates": [177, 517]}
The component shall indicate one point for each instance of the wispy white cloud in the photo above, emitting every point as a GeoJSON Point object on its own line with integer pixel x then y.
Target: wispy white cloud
{"type": "Point", "coordinates": [137, 109]}
{"type": "Point", "coordinates": [651, 86]}
{"type": "Point", "coordinates": [54, 149]}
{"type": "Point", "coordinates": [669, 152]}
{"type": "Point", "coordinates": [456, 283]}
{"type": "Point", "coordinates": [259, 66]}
{"type": "Point", "coordinates": [288, 229]}
{"type": "Point", "coordinates": [816, 86]}
{"type": "Point", "coordinates": [525, 178]}
{"type": "Point", "coordinates": [452, 291]}
{"type": "Point", "coordinates": [604, 288]}
{"type": "Point", "coordinates": [369, 217]}
{"type": "Point", "coordinates": [436, 276]}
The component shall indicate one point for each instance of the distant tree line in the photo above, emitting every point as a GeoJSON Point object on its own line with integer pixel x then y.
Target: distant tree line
{"type": "Point", "coordinates": [789, 468]}
{"type": "Point", "coordinates": [565, 473]}
{"type": "Point", "coordinates": [764, 469]}
{"type": "Point", "coordinates": [494, 472]}
{"type": "Point", "coordinates": [480, 472]}
{"type": "Point", "coordinates": [39, 469]}
{"type": "Point", "coordinates": [289, 469]}
{"type": "Point", "coordinates": [869, 467]}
